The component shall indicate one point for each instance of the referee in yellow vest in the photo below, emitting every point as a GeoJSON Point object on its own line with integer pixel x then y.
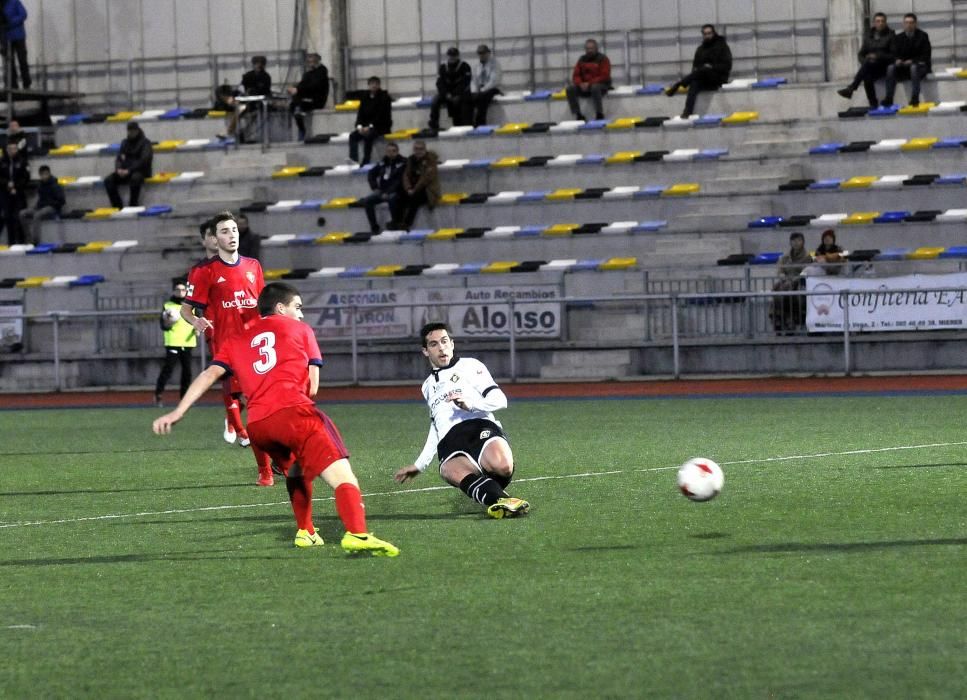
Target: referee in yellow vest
{"type": "Point", "coordinates": [179, 340]}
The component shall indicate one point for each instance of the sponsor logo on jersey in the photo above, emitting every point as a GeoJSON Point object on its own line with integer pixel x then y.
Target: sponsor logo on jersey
{"type": "Point", "coordinates": [250, 276]}
{"type": "Point", "coordinates": [220, 279]}
{"type": "Point", "coordinates": [454, 378]}
{"type": "Point", "coordinates": [484, 434]}
{"type": "Point", "coordinates": [191, 290]}
{"type": "Point", "coordinates": [240, 302]}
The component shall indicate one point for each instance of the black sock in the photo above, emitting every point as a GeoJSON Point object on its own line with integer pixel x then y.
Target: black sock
{"type": "Point", "coordinates": [482, 489]}
{"type": "Point", "coordinates": [504, 481]}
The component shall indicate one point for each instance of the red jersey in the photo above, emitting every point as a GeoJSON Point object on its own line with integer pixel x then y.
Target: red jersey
{"type": "Point", "coordinates": [226, 294]}
{"type": "Point", "coordinates": [271, 361]}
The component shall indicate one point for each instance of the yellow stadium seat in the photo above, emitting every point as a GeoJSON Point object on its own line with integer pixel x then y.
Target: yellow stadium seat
{"type": "Point", "coordinates": [275, 274]}
{"type": "Point", "coordinates": [348, 106]}
{"type": "Point", "coordinates": [563, 194]}
{"type": "Point", "coordinates": [858, 182]}
{"type": "Point", "coordinates": [383, 270]}
{"type": "Point", "coordinates": [160, 178]}
{"type": "Point", "coordinates": [4, 247]}
{"type": "Point", "coordinates": [402, 134]}
{"type": "Point", "coordinates": [168, 145]}
{"type": "Point", "coordinates": [453, 197]}
{"type": "Point", "coordinates": [94, 247]}
{"type": "Point", "coordinates": [444, 234]}
{"type": "Point", "coordinates": [560, 229]}
{"type": "Point", "coordinates": [681, 189]}
{"type": "Point", "coordinates": [66, 179]}
{"type": "Point", "coordinates": [499, 266]}
{"type": "Point", "coordinates": [101, 213]}
{"type": "Point", "coordinates": [925, 253]}
{"type": "Point", "coordinates": [860, 217]}
{"type": "Point", "coordinates": [921, 144]}
{"type": "Point", "coordinates": [508, 162]}
{"type": "Point", "coordinates": [338, 203]}
{"type": "Point", "coordinates": [333, 237]}
{"type": "Point", "coordinates": [512, 128]}
{"type": "Point", "coordinates": [32, 282]}
{"type": "Point", "coordinates": [560, 94]}
{"type": "Point", "coordinates": [618, 264]}
{"type": "Point", "coordinates": [961, 74]}
{"type": "Point", "coordinates": [741, 118]}
{"type": "Point", "coordinates": [622, 157]}
{"type": "Point", "coordinates": [289, 171]}
{"type": "Point", "coordinates": [68, 149]}
{"type": "Point", "coordinates": [624, 123]}
{"type": "Point", "coordinates": [122, 116]}
{"type": "Point", "coordinates": [217, 114]}
{"type": "Point", "coordinates": [920, 110]}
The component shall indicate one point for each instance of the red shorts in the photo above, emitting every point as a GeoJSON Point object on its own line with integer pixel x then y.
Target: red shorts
{"type": "Point", "coordinates": [299, 433]}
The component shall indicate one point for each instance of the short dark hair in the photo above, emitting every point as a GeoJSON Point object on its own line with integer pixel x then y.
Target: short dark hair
{"type": "Point", "coordinates": [795, 235]}
{"type": "Point", "coordinates": [222, 216]}
{"type": "Point", "coordinates": [429, 328]}
{"type": "Point", "coordinates": [275, 293]}
{"type": "Point", "coordinates": [911, 16]}
{"type": "Point", "coordinates": [880, 14]}
{"type": "Point", "coordinates": [204, 228]}
{"type": "Point", "coordinates": [43, 169]}
{"type": "Point", "coordinates": [315, 56]}
{"type": "Point", "coordinates": [259, 60]}
{"type": "Point", "coordinates": [709, 26]}
{"type": "Point", "coordinates": [373, 79]}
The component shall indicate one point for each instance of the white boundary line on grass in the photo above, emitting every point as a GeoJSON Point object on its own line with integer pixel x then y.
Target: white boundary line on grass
{"type": "Point", "coordinates": [202, 509]}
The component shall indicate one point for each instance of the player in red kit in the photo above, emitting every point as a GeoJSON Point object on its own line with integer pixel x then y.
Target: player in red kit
{"type": "Point", "coordinates": [277, 360]}
{"type": "Point", "coordinates": [224, 290]}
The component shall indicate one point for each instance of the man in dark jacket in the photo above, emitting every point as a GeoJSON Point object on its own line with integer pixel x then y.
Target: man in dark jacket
{"type": "Point", "coordinates": [256, 82]}
{"type": "Point", "coordinates": [132, 166]}
{"type": "Point", "coordinates": [50, 202]}
{"type": "Point", "coordinates": [876, 55]}
{"type": "Point", "coordinates": [249, 242]}
{"type": "Point", "coordinates": [311, 92]}
{"type": "Point", "coordinates": [374, 118]}
{"type": "Point", "coordinates": [711, 67]}
{"type": "Point", "coordinates": [591, 77]}
{"type": "Point", "coordinates": [453, 89]}
{"type": "Point", "coordinates": [421, 185]}
{"type": "Point", "coordinates": [385, 180]}
{"type": "Point", "coordinates": [14, 177]}
{"type": "Point", "coordinates": [13, 40]}
{"type": "Point", "coordinates": [911, 55]}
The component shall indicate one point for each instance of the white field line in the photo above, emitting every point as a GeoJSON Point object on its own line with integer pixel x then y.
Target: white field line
{"type": "Point", "coordinates": [202, 509]}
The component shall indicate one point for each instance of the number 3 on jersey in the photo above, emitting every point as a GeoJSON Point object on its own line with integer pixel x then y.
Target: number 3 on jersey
{"type": "Point", "coordinates": [265, 342]}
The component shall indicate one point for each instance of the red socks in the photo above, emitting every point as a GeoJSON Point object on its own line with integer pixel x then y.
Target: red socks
{"type": "Point", "coordinates": [349, 505]}
{"type": "Point", "coordinates": [233, 411]}
{"type": "Point", "coordinates": [300, 494]}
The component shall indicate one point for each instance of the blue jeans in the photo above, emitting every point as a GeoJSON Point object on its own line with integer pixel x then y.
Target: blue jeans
{"type": "Point", "coordinates": [915, 71]}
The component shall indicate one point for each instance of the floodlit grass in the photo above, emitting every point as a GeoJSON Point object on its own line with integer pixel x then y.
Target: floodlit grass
{"type": "Point", "coordinates": [163, 571]}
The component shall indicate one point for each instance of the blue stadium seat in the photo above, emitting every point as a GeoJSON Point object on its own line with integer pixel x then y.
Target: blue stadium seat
{"type": "Point", "coordinates": [892, 254]}
{"type": "Point", "coordinates": [650, 89]}
{"type": "Point", "coordinates": [592, 264]}
{"type": "Point", "coordinates": [309, 205]}
{"type": "Point", "coordinates": [650, 191]}
{"type": "Point", "coordinates": [424, 102]}
{"type": "Point", "coordinates": [529, 231]}
{"type": "Point", "coordinates": [710, 120]}
{"type": "Point", "coordinates": [480, 163]}
{"type": "Point", "coordinates": [766, 258]}
{"type": "Point", "coordinates": [483, 130]}
{"type": "Point", "coordinates": [538, 95]}
{"type": "Point", "coordinates": [355, 271]}
{"type": "Point", "coordinates": [87, 280]}
{"type": "Point", "coordinates": [711, 153]}
{"type": "Point", "coordinates": [41, 249]}
{"type": "Point", "coordinates": [648, 226]}
{"type": "Point", "coordinates": [950, 142]}
{"type": "Point", "coordinates": [176, 113]}
{"type": "Point", "coordinates": [766, 83]}
{"type": "Point", "coordinates": [156, 210]}
{"type": "Point", "coordinates": [593, 125]}
{"type": "Point", "coordinates": [891, 217]}
{"type": "Point", "coordinates": [956, 251]}
{"type": "Point", "coordinates": [534, 196]}
{"type": "Point", "coordinates": [470, 268]}
{"type": "Point", "coordinates": [111, 149]}
{"type": "Point", "coordinates": [416, 235]}
{"type": "Point", "coordinates": [831, 183]}
{"type": "Point", "coordinates": [592, 159]}
{"type": "Point", "coordinates": [826, 148]}
{"type": "Point", "coordinates": [74, 119]}
{"type": "Point", "coordinates": [884, 111]}
{"type": "Point", "coordinates": [766, 222]}
{"type": "Point", "coordinates": [952, 179]}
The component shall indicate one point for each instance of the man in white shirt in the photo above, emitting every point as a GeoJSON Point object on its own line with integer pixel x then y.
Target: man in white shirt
{"type": "Point", "coordinates": [484, 84]}
{"type": "Point", "coordinates": [469, 442]}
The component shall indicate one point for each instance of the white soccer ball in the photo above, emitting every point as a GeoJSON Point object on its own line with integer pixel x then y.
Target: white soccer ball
{"type": "Point", "coordinates": [700, 479]}
{"type": "Point", "coordinates": [169, 318]}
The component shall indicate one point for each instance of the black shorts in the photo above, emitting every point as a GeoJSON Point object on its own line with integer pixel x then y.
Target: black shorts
{"type": "Point", "coordinates": [468, 438]}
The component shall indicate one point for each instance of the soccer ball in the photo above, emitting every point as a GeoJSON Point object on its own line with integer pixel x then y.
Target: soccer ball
{"type": "Point", "coordinates": [169, 318]}
{"type": "Point", "coordinates": [700, 479]}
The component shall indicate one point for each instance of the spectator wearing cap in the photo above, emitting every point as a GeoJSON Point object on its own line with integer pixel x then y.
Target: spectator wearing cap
{"type": "Point", "coordinates": [374, 119]}
{"type": "Point", "coordinates": [132, 166]}
{"type": "Point", "coordinates": [485, 84]}
{"type": "Point", "coordinates": [453, 89]}
{"type": "Point", "coordinates": [591, 77]}
{"type": "Point", "coordinates": [311, 93]}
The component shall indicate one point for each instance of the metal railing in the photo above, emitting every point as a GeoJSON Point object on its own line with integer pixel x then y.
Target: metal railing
{"type": "Point", "coordinates": [672, 320]}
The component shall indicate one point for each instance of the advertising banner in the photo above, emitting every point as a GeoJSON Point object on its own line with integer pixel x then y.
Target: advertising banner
{"type": "Point", "coordinates": [11, 328]}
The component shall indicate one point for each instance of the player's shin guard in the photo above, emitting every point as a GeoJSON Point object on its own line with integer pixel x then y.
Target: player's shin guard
{"type": "Point", "coordinates": [482, 489]}
{"type": "Point", "coordinates": [300, 495]}
{"type": "Point", "coordinates": [349, 505]}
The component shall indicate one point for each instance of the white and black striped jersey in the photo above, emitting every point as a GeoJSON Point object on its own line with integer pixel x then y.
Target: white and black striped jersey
{"type": "Point", "coordinates": [464, 378]}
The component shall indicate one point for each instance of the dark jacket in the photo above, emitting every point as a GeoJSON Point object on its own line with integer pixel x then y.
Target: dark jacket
{"type": "Point", "coordinates": [387, 175]}
{"type": "Point", "coordinates": [50, 194]}
{"type": "Point", "coordinates": [14, 170]}
{"type": "Point", "coordinates": [422, 174]}
{"type": "Point", "coordinates": [455, 81]}
{"type": "Point", "coordinates": [14, 15]}
{"type": "Point", "coordinates": [249, 244]}
{"type": "Point", "coordinates": [376, 110]}
{"type": "Point", "coordinates": [915, 48]}
{"type": "Point", "coordinates": [136, 154]}
{"type": "Point", "coordinates": [593, 69]}
{"type": "Point", "coordinates": [254, 83]}
{"type": "Point", "coordinates": [880, 43]}
{"type": "Point", "coordinates": [313, 90]}
{"type": "Point", "coordinates": [716, 53]}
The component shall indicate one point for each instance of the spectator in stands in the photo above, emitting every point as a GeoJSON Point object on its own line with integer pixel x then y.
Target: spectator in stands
{"type": "Point", "coordinates": [256, 82]}
{"type": "Point", "coordinates": [453, 90]}
{"type": "Point", "coordinates": [711, 67]}
{"type": "Point", "coordinates": [14, 176]}
{"type": "Point", "coordinates": [591, 78]}
{"type": "Point", "coordinates": [249, 242]}
{"type": "Point", "coordinates": [16, 135]}
{"type": "Point", "coordinates": [310, 94]}
{"type": "Point", "coordinates": [829, 255]}
{"type": "Point", "coordinates": [876, 55]}
{"type": "Point", "coordinates": [421, 185]}
{"type": "Point", "coordinates": [385, 181]}
{"type": "Point", "coordinates": [484, 84]}
{"type": "Point", "coordinates": [50, 202]}
{"type": "Point", "coordinates": [13, 40]}
{"type": "Point", "coordinates": [179, 339]}
{"type": "Point", "coordinates": [789, 313]}
{"type": "Point", "coordinates": [911, 60]}
{"type": "Point", "coordinates": [132, 166]}
{"type": "Point", "coordinates": [374, 119]}
{"type": "Point", "coordinates": [225, 102]}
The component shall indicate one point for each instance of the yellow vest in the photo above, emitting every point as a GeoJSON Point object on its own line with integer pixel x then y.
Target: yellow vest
{"type": "Point", "coordinates": [182, 334]}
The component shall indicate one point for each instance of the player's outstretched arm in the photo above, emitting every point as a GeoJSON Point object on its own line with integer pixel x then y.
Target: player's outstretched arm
{"type": "Point", "coordinates": [406, 473]}
{"type": "Point", "coordinates": [199, 323]}
{"type": "Point", "coordinates": [202, 383]}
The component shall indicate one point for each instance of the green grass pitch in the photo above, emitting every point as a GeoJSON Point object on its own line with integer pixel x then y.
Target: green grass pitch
{"type": "Point", "coordinates": [160, 570]}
